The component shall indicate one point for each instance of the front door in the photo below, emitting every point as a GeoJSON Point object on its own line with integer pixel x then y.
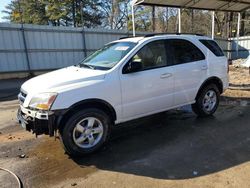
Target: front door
{"type": "Point", "coordinates": [149, 90]}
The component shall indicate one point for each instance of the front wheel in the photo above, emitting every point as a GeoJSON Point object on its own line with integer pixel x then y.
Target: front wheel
{"type": "Point", "coordinates": [85, 132]}
{"type": "Point", "coordinates": [207, 101]}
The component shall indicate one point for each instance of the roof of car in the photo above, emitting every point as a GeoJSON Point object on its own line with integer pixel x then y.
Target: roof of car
{"type": "Point", "coordinates": [148, 37]}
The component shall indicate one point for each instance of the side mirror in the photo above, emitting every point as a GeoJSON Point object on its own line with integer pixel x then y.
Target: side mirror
{"type": "Point", "coordinates": [132, 66]}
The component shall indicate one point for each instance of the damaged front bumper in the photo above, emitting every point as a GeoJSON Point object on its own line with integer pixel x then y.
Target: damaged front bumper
{"type": "Point", "coordinates": [39, 122]}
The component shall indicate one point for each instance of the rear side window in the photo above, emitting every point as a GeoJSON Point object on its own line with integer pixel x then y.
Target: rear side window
{"type": "Point", "coordinates": [184, 51]}
{"type": "Point", "coordinates": [213, 47]}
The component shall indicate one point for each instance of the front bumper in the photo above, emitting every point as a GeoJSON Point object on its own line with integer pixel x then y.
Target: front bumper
{"type": "Point", "coordinates": [39, 122]}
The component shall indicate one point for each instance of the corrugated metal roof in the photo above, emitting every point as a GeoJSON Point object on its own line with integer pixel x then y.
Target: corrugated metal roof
{"type": "Point", "coordinates": [218, 5]}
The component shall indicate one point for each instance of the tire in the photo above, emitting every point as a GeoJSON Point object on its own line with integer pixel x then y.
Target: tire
{"type": "Point", "coordinates": [79, 138]}
{"type": "Point", "coordinates": [207, 101]}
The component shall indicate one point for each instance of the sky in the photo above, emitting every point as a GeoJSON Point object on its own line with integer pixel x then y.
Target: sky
{"type": "Point", "coordinates": [3, 3]}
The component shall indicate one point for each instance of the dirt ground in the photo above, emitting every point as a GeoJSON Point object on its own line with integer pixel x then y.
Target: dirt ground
{"type": "Point", "coordinates": [172, 149]}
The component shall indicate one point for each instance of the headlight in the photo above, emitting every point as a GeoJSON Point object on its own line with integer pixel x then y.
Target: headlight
{"type": "Point", "coordinates": [43, 101]}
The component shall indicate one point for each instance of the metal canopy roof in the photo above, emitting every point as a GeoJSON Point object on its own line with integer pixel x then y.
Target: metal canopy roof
{"type": "Point", "coordinates": [217, 5]}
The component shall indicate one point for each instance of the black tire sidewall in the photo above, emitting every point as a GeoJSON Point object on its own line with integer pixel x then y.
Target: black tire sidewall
{"type": "Point", "coordinates": [67, 133]}
{"type": "Point", "coordinates": [199, 106]}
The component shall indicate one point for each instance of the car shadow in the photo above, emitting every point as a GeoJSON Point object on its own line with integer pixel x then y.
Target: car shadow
{"type": "Point", "coordinates": [176, 144]}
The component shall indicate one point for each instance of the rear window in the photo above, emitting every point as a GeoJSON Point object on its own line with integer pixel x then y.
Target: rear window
{"type": "Point", "coordinates": [213, 47]}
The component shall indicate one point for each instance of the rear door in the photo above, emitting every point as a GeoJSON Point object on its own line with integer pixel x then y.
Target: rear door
{"type": "Point", "coordinates": [218, 64]}
{"type": "Point", "coordinates": [190, 69]}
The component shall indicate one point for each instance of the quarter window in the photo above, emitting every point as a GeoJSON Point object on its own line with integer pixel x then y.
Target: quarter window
{"type": "Point", "coordinates": [213, 47]}
{"type": "Point", "coordinates": [152, 55]}
{"type": "Point", "coordinates": [184, 51]}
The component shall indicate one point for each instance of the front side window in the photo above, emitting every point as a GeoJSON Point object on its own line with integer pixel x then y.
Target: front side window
{"type": "Point", "coordinates": [184, 51]}
{"type": "Point", "coordinates": [108, 56]}
{"type": "Point", "coordinates": [152, 55]}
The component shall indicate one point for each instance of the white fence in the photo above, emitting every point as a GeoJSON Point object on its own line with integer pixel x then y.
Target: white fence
{"type": "Point", "coordinates": [38, 48]}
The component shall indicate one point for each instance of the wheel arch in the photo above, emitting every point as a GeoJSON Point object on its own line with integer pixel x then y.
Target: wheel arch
{"type": "Point", "coordinates": [88, 103]}
{"type": "Point", "coordinates": [212, 80]}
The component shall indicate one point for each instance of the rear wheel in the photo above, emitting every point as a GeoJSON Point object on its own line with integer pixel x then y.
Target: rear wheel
{"type": "Point", "coordinates": [207, 101]}
{"type": "Point", "coordinates": [85, 132]}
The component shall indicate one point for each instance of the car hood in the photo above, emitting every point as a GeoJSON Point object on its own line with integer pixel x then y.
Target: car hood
{"type": "Point", "coordinates": [61, 78]}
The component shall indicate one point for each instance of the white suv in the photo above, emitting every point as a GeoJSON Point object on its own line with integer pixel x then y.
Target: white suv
{"type": "Point", "coordinates": [125, 80]}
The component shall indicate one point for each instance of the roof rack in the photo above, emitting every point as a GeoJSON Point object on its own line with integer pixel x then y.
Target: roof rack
{"type": "Point", "coordinates": [130, 36]}
{"type": "Point", "coordinates": [154, 34]}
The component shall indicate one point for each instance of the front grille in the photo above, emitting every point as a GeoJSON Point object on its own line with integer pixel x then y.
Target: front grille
{"type": "Point", "coordinates": [22, 95]}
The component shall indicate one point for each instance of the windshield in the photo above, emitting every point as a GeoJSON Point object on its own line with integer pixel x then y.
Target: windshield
{"type": "Point", "coordinates": [108, 56]}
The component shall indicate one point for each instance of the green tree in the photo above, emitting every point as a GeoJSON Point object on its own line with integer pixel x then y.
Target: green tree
{"type": "Point", "coordinates": [115, 13]}
{"type": "Point", "coordinates": [27, 11]}
{"type": "Point", "coordinates": [143, 19]}
{"type": "Point", "coordinates": [91, 13]}
{"type": "Point", "coordinates": [55, 12]}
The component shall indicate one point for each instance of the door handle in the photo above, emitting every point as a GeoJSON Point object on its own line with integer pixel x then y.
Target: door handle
{"type": "Point", "coordinates": [204, 67]}
{"type": "Point", "coordinates": [166, 75]}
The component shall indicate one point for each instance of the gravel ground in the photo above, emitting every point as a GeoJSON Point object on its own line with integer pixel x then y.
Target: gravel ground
{"type": "Point", "coordinates": [172, 149]}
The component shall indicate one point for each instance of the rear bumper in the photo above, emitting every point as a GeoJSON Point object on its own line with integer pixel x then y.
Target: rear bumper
{"type": "Point", "coordinates": [39, 122]}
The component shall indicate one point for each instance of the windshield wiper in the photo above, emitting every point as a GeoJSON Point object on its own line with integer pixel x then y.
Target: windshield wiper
{"type": "Point", "coordinates": [87, 66]}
